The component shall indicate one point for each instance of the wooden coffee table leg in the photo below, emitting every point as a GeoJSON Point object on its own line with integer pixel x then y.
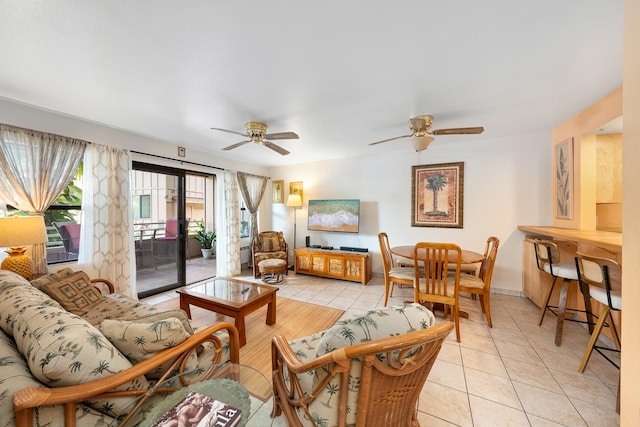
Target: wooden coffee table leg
{"type": "Point", "coordinates": [241, 329]}
{"type": "Point", "coordinates": [184, 305]}
{"type": "Point", "coordinates": [271, 311]}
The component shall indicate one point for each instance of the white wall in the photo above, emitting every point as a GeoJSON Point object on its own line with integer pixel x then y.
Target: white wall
{"type": "Point", "coordinates": [506, 184]}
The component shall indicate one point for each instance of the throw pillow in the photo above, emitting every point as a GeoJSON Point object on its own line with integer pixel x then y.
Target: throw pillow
{"type": "Point", "coordinates": [52, 278]}
{"type": "Point", "coordinates": [270, 242]}
{"type": "Point", "coordinates": [75, 293]}
{"type": "Point", "coordinates": [141, 339]}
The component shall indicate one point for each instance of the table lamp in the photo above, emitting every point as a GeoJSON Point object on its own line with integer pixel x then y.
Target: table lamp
{"type": "Point", "coordinates": [15, 232]}
{"type": "Point", "coordinates": [294, 201]}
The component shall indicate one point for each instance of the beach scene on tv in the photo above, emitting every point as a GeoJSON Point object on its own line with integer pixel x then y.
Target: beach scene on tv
{"type": "Point", "coordinates": [334, 215]}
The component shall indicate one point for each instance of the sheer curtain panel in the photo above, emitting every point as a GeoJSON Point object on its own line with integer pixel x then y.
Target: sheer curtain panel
{"type": "Point", "coordinates": [35, 167]}
{"type": "Point", "coordinates": [228, 258]}
{"type": "Point", "coordinates": [252, 188]}
{"type": "Point", "coordinates": [107, 230]}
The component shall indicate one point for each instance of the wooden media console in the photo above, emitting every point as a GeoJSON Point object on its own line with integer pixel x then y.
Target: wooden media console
{"type": "Point", "coordinates": [334, 264]}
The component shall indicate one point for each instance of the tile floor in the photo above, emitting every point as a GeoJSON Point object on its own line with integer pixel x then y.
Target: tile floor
{"type": "Point", "coordinates": [508, 375]}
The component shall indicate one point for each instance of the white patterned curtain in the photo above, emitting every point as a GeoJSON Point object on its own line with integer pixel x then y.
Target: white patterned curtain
{"type": "Point", "coordinates": [228, 254]}
{"type": "Point", "coordinates": [35, 167]}
{"type": "Point", "coordinates": [252, 188]}
{"type": "Point", "coordinates": [107, 245]}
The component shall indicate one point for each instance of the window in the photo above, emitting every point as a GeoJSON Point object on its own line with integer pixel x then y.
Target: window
{"type": "Point", "coordinates": [141, 206]}
{"type": "Point", "coordinates": [62, 220]}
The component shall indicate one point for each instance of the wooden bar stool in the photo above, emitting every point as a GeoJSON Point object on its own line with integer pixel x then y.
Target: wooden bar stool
{"type": "Point", "coordinates": [548, 260]}
{"type": "Point", "coordinates": [601, 278]}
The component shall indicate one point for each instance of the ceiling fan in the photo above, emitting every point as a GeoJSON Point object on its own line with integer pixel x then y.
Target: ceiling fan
{"type": "Point", "coordinates": [257, 132]}
{"type": "Point", "coordinates": [420, 127]}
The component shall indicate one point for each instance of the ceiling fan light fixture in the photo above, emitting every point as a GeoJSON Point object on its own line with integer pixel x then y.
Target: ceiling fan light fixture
{"type": "Point", "coordinates": [421, 143]}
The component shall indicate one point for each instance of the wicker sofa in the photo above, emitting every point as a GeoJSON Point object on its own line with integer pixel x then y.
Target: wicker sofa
{"type": "Point", "coordinates": [85, 361]}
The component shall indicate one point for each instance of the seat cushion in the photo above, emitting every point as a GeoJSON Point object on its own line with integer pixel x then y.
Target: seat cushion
{"type": "Point", "coordinates": [407, 273]}
{"type": "Point", "coordinates": [566, 270]}
{"type": "Point", "coordinates": [142, 339]}
{"type": "Point", "coordinates": [469, 281]}
{"type": "Point", "coordinates": [600, 295]}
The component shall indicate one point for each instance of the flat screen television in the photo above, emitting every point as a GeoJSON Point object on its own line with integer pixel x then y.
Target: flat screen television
{"type": "Point", "coordinates": [334, 215]}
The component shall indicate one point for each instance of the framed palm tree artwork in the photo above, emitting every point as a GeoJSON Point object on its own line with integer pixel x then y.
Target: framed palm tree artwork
{"type": "Point", "coordinates": [437, 195]}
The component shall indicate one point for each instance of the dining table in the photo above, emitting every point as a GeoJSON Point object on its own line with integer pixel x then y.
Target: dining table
{"type": "Point", "coordinates": [467, 257]}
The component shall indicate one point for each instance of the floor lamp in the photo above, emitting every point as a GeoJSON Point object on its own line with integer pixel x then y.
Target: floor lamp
{"type": "Point", "coordinates": [294, 201]}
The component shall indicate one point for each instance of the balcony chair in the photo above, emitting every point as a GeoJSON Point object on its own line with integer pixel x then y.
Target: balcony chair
{"type": "Point", "coordinates": [169, 240]}
{"type": "Point", "coordinates": [393, 274]}
{"type": "Point", "coordinates": [268, 245]}
{"type": "Point", "coordinates": [548, 261]}
{"type": "Point", "coordinates": [480, 284]}
{"type": "Point", "coordinates": [70, 234]}
{"type": "Point", "coordinates": [366, 370]}
{"type": "Point", "coordinates": [435, 284]}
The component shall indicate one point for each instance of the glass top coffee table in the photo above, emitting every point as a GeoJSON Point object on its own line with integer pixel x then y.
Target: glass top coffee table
{"type": "Point", "coordinates": [230, 297]}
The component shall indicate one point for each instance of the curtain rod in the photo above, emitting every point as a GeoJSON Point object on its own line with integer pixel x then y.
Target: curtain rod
{"type": "Point", "coordinates": [177, 160]}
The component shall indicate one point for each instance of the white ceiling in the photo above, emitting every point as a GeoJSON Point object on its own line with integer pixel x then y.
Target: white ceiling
{"type": "Point", "coordinates": [341, 74]}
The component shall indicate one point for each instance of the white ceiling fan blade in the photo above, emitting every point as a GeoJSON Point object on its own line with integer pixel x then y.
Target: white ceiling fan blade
{"type": "Point", "coordinates": [236, 145]}
{"type": "Point", "coordinates": [230, 131]}
{"type": "Point", "coordinates": [391, 139]}
{"type": "Point", "coordinates": [282, 135]}
{"type": "Point", "coordinates": [275, 147]}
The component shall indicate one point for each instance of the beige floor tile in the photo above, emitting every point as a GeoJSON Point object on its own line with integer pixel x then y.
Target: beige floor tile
{"type": "Point", "coordinates": [480, 343]}
{"type": "Point", "coordinates": [491, 387]}
{"type": "Point", "coordinates": [536, 421]}
{"type": "Point", "coordinates": [531, 374]}
{"type": "Point", "coordinates": [600, 415]}
{"type": "Point", "coordinates": [450, 352]}
{"type": "Point", "coordinates": [431, 421]}
{"type": "Point", "coordinates": [524, 353]}
{"type": "Point", "coordinates": [445, 403]}
{"type": "Point", "coordinates": [548, 405]}
{"type": "Point", "coordinates": [585, 387]}
{"type": "Point", "coordinates": [490, 363]}
{"type": "Point", "coordinates": [449, 375]}
{"type": "Point", "coordinates": [486, 413]}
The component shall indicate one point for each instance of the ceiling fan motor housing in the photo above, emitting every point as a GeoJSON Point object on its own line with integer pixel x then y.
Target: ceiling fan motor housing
{"type": "Point", "coordinates": [256, 130]}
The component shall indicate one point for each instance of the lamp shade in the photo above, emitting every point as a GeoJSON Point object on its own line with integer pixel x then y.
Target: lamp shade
{"type": "Point", "coordinates": [22, 230]}
{"type": "Point", "coordinates": [420, 143]}
{"type": "Point", "coordinates": [294, 200]}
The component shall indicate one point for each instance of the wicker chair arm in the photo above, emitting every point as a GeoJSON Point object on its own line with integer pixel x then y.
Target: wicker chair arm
{"type": "Point", "coordinates": [108, 283]}
{"type": "Point", "coordinates": [27, 399]}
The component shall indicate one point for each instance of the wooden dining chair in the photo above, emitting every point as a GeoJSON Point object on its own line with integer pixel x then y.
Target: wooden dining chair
{"type": "Point", "coordinates": [480, 284]}
{"type": "Point", "coordinates": [438, 285]}
{"type": "Point", "coordinates": [392, 274]}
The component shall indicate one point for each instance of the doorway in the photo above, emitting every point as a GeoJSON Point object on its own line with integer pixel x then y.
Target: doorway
{"type": "Point", "coordinates": [168, 206]}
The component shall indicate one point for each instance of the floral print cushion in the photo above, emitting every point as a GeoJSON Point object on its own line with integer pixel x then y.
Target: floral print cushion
{"type": "Point", "coordinates": [374, 324]}
{"type": "Point", "coordinates": [116, 306]}
{"type": "Point", "coordinates": [52, 278]}
{"type": "Point", "coordinates": [140, 340]}
{"type": "Point", "coordinates": [270, 241]}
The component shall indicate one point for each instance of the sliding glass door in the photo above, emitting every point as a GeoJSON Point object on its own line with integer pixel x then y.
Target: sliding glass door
{"type": "Point", "coordinates": [168, 206]}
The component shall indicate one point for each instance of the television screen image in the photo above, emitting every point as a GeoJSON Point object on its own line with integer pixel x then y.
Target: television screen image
{"type": "Point", "coordinates": [334, 215]}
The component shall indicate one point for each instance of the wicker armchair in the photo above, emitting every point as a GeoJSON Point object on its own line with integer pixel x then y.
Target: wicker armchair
{"type": "Point", "coordinates": [268, 245]}
{"type": "Point", "coordinates": [365, 370]}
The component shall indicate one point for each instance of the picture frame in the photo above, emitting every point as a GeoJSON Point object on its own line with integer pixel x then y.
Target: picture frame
{"type": "Point", "coordinates": [437, 195]}
{"type": "Point", "coordinates": [278, 191]}
{"type": "Point", "coordinates": [296, 187]}
{"type": "Point", "coordinates": [564, 179]}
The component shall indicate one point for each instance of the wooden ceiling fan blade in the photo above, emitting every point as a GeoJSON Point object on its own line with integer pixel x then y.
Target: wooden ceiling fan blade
{"type": "Point", "coordinates": [236, 145]}
{"type": "Point", "coordinates": [459, 131]}
{"type": "Point", "coordinates": [230, 131]}
{"type": "Point", "coordinates": [391, 139]}
{"type": "Point", "coordinates": [282, 135]}
{"type": "Point", "coordinates": [275, 147]}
